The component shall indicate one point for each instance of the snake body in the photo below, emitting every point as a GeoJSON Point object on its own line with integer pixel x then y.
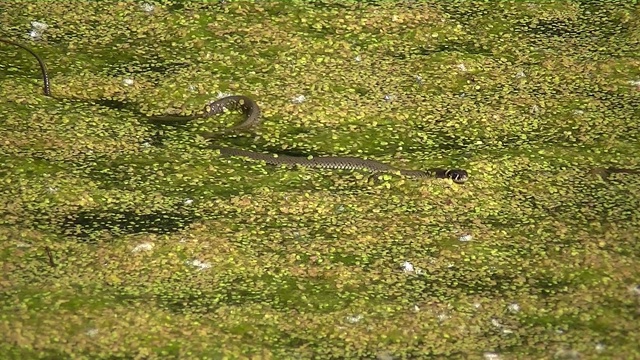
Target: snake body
{"type": "Point", "coordinates": [251, 110]}
{"type": "Point", "coordinates": [46, 88]}
{"type": "Point", "coordinates": [343, 163]}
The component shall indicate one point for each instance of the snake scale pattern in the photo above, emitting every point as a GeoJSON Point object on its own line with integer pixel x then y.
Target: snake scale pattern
{"type": "Point", "coordinates": [251, 110]}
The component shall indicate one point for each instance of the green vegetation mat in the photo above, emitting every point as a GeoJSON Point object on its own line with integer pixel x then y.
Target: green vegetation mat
{"type": "Point", "coordinates": [121, 239]}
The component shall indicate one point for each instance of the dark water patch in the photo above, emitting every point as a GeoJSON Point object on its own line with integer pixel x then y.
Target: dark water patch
{"type": "Point", "coordinates": [550, 284]}
{"type": "Point", "coordinates": [467, 281]}
{"type": "Point", "coordinates": [605, 201]}
{"type": "Point", "coordinates": [155, 68]}
{"type": "Point", "coordinates": [467, 47]}
{"type": "Point", "coordinates": [436, 141]}
{"type": "Point", "coordinates": [114, 104]}
{"type": "Point", "coordinates": [43, 353]}
{"type": "Point", "coordinates": [462, 10]}
{"type": "Point", "coordinates": [89, 224]}
{"type": "Point", "coordinates": [110, 103]}
{"type": "Point", "coordinates": [557, 28]}
{"type": "Point", "coordinates": [201, 6]}
{"type": "Point", "coordinates": [593, 22]}
{"type": "Point", "coordinates": [484, 281]}
{"type": "Point", "coordinates": [281, 293]}
{"type": "Point", "coordinates": [332, 4]}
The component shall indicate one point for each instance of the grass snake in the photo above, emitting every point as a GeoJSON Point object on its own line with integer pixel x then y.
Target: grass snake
{"type": "Point", "coordinates": [251, 110]}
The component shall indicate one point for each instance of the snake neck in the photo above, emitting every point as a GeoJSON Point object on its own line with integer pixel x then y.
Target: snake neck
{"type": "Point", "coordinates": [428, 173]}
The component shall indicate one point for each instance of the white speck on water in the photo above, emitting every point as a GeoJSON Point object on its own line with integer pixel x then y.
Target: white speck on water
{"type": "Point", "coordinates": [299, 99]}
{"type": "Point", "coordinates": [443, 317]}
{"type": "Point", "coordinates": [465, 237]}
{"type": "Point", "coordinates": [37, 29]}
{"type": "Point", "coordinates": [146, 7]}
{"type": "Point", "coordinates": [39, 26]}
{"type": "Point", "coordinates": [143, 247]}
{"type": "Point", "coordinates": [496, 323]}
{"type": "Point", "coordinates": [201, 265]}
{"type": "Point", "coordinates": [566, 354]}
{"type": "Point", "coordinates": [514, 307]}
{"type": "Point", "coordinates": [384, 355]}
{"type": "Point", "coordinates": [35, 34]}
{"type": "Point", "coordinates": [407, 267]}
{"type": "Point", "coordinates": [491, 356]}
{"type": "Point", "coordinates": [634, 82]}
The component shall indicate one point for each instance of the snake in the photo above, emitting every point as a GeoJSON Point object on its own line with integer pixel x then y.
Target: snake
{"type": "Point", "coordinates": [252, 118]}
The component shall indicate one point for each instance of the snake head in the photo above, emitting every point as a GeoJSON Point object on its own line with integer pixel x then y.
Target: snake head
{"type": "Point", "coordinates": [458, 176]}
